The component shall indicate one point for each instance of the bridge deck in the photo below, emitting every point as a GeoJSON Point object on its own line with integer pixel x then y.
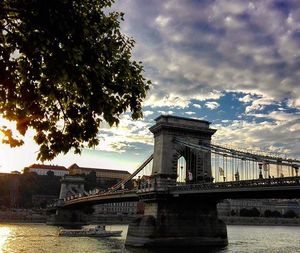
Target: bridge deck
{"type": "Point", "coordinates": [287, 187]}
{"type": "Point", "coordinates": [109, 197]}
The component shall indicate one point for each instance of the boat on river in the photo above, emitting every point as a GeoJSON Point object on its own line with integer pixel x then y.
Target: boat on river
{"type": "Point", "coordinates": [97, 231]}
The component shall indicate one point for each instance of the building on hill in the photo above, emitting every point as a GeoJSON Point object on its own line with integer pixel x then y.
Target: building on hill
{"type": "Point", "coordinates": [74, 169]}
{"type": "Point", "coordinates": [43, 170]}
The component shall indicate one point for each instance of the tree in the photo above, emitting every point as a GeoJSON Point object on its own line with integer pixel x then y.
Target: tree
{"type": "Point", "coordinates": [276, 214]}
{"type": "Point", "coordinates": [65, 67]}
{"type": "Point", "coordinates": [290, 214]}
{"type": "Point", "coordinates": [268, 213]}
{"type": "Point", "coordinates": [254, 212]}
{"type": "Point", "coordinates": [244, 212]}
{"type": "Point", "coordinates": [29, 184]}
{"type": "Point", "coordinates": [26, 170]}
{"type": "Point", "coordinates": [50, 173]}
{"type": "Point", "coordinates": [90, 181]}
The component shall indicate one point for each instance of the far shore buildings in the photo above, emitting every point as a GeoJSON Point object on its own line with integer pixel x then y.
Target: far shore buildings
{"type": "Point", "coordinates": [74, 169]}
{"type": "Point", "coordinates": [47, 188]}
{"type": "Point", "coordinates": [42, 169]}
{"type": "Point", "coordinates": [124, 208]}
{"type": "Point", "coordinates": [106, 178]}
{"type": "Point", "coordinates": [236, 205]}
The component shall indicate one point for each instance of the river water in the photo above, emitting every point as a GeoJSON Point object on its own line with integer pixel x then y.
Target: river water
{"type": "Point", "coordinates": [40, 238]}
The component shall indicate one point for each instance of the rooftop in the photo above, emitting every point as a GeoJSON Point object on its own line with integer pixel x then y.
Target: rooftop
{"type": "Point", "coordinates": [47, 167]}
{"type": "Point", "coordinates": [98, 169]}
{"type": "Point", "coordinates": [181, 119]}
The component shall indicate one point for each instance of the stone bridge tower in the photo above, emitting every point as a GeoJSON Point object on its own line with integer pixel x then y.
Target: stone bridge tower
{"type": "Point", "coordinates": [71, 185]}
{"type": "Point", "coordinates": [167, 151]}
{"type": "Point", "coordinates": [173, 220]}
{"type": "Point", "coordinates": [60, 216]}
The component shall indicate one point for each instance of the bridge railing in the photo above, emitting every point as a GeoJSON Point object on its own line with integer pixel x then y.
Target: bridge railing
{"type": "Point", "coordinates": [73, 199]}
{"type": "Point", "coordinates": [239, 184]}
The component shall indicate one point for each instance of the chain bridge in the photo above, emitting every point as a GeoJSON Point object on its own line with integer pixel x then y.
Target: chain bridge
{"type": "Point", "coordinates": [184, 179]}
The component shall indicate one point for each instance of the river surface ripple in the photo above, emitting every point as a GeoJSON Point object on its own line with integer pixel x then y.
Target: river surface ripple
{"type": "Point", "coordinates": [40, 238]}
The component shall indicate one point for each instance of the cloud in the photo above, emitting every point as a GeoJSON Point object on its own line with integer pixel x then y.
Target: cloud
{"type": "Point", "coordinates": [166, 112]}
{"type": "Point", "coordinates": [294, 103]}
{"type": "Point", "coordinates": [246, 99]}
{"type": "Point", "coordinates": [260, 104]}
{"type": "Point", "coordinates": [278, 116]}
{"type": "Point", "coordinates": [147, 113]}
{"type": "Point", "coordinates": [182, 100]}
{"type": "Point", "coordinates": [170, 100]}
{"type": "Point", "coordinates": [212, 105]}
{"type": "Point", "coordinates": [129, 132]}
{"type": "Point", "coordinates": [162, 21]}
{"type": "Point", "coordinates": [282, 137]}
{"type": "Point", "coordinates": [202, 50]}
{"type": "Point", "coordinates": [197, 106]}
{"type": "Point", "coordinates": [190, 113]}
{"type": "Point", "coordinates": [191, 48]}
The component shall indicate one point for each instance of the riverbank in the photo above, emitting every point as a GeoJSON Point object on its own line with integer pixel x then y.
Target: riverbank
{"type": "Point", "coordinates": [111, 219]}
{"type": "Point", "coordinates": [22, 216]}
{"type": "Point", "coordinates": [39, 216]}
{"type": "Point", "coordinates": [260, 221]}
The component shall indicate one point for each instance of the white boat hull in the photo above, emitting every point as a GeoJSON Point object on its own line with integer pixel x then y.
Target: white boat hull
{"type": "Point", "coordinates": [91, 232]}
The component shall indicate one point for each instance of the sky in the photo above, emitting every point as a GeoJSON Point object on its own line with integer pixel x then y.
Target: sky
{"type": "Point", "coordinates": [233, 63]}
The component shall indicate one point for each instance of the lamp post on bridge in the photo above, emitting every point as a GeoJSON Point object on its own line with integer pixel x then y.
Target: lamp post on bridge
{"type": "Point", "coordinates": [296, 168]}
{"type": "Point", "coordinates": [260, 165]}
{"type": "Point", "coordinates": [237, 176]}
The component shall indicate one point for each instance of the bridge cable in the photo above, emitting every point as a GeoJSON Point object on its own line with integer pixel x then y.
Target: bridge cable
{"type": "Point", "coordinates": [243, 156]}
{"type": "Point", "coordinates": [139, 169]}
{"type": "Point", "coordinates": [236, 153]}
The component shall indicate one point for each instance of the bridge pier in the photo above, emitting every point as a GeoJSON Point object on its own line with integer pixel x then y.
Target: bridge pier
{"type": "Point", "coordinates": [70, 185]}
{"type": "Point", "coordinates": [172, 222]}
{"type": "Point", "coordinates": [67, 217]}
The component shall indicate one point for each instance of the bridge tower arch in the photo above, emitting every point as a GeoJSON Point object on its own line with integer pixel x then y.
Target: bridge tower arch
{"type": "Point", "coordinates": [167, 152]}
{"type": "Point", "coordinates": [181, 169]}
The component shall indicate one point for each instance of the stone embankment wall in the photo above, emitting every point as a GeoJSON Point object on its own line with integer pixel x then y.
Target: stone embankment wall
{"type": "Point", "coordinates": [261, 221]}
{"type": "Point", "coordinates": [113, 219]}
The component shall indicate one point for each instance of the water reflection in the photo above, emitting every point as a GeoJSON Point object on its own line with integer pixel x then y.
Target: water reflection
{"type": "Point", "coordinates": [174, 250]}
{"type": "Point", "coordinates": [4, 234]}
{"type": "Point", "coordinates": [37, 238]}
